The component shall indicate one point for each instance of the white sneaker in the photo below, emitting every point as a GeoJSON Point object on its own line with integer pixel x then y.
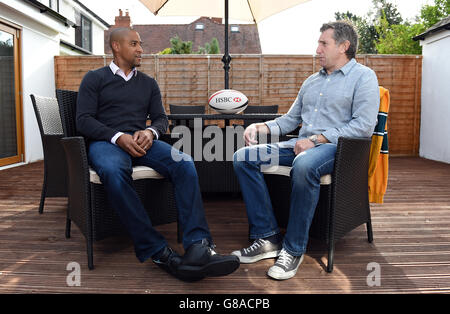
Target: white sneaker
{"type": "Point", "coordinates": [260, 249]}
{"type": "Point", "coordinates": [286, 266]}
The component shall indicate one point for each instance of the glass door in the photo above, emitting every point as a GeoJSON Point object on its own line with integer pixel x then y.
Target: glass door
{"type": "Point", "coordinates": [11, 138]}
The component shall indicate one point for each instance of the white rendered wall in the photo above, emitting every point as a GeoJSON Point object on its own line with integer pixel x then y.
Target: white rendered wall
{"type": "Point", "coordinates": [435, 112]}
{"type": "Point", "coordinates": [68, 8]}
{"type": "Point", "coordinates": [39, 42]}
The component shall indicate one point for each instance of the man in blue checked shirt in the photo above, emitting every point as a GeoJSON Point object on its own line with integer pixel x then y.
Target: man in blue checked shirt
{"type": "Point", "coordinates": [342, 99]}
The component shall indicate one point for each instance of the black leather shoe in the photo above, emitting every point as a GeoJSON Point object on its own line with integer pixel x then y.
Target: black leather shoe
{"type": "Point", "coordinates": [169, 260]}
{"type": "Point", "coordinates": [200, 260]}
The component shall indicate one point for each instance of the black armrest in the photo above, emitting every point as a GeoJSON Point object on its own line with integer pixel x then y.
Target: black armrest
{"type": "Point", "coordinates": [352, 156]}
{"type": "Point", "coordinates": [350, 183]}
{"type": "Point", "coordinates": [79, 208]}
{"type": "Point", "coordinates": [55, 163]}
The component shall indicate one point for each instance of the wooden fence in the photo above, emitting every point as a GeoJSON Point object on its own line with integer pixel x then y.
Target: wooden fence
{"type": "Point", "coordinates": [267, 80]}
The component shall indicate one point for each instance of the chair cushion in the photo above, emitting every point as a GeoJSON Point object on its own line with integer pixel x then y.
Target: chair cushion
{"type": "Point", "coordinates": [285, 171]}
{"type": "Point", "coordinates": [139, 172]}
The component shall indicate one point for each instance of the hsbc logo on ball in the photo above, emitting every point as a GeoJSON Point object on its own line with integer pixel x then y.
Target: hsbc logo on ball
{"type": "Point", "coordinates": [228, 99]}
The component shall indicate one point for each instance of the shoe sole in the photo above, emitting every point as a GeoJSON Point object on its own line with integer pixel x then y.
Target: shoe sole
{"type": "Point", "coordinates": [213, 269]}
{"type": "Point", "coordinates": [254, 259]}
{"type": "Point", "coordinates": [286, 275]}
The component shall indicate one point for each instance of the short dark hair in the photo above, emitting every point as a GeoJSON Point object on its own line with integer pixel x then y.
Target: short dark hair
{"type": "Point", "coordinates": [344, 30]}
{"type": "Point", "coordinates": [117, 33]}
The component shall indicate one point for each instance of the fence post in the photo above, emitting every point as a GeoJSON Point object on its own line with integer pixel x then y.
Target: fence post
{"type": "Point", "coordinates": [156, 67]}
{"type": "Point", "coordinates": [209, 77]}
{"type": "Point", "coordinates": [416, 110]}
{"type": "Point", "coordinates": [261, 80]}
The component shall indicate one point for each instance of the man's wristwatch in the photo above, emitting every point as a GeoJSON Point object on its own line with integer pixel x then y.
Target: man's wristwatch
{"type": "Point", "coordinates": [315, 139]}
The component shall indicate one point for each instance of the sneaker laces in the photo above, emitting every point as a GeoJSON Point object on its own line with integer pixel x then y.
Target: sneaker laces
{"type": "Point", "coordinates": [212, 251]}
{"type": "Point", "coordinates": [210, 246]}
{"type": "Point", "coordinates": [258, 243]}
{"type": "Point", "coordinates": [284, 259]}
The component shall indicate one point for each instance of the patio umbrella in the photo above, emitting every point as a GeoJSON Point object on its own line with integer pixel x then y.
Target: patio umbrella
{"type": "Point", "coordinates": [244, 10]}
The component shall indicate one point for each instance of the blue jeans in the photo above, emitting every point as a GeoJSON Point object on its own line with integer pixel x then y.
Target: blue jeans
{"type": "Point", "coordinates": [114, 167]}
{"type": "Point", "coordinates": [307, 168]}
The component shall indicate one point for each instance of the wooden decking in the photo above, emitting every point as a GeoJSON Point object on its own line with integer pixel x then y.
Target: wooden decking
{"type": "Point", "coordinates": [411, 244]}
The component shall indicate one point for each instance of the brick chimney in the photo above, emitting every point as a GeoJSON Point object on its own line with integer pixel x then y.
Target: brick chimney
{"type": "Point", "coordinates": [217, 20]}
{"type": "Point", "coordinates": [122, 21]}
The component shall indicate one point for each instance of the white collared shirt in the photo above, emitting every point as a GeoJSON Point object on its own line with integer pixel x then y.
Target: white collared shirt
{"type": "Point", "coordinates": [118, 71]}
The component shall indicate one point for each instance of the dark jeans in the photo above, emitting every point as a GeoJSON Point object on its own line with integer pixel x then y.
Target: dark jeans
{"type": "Point", "coordinates": [114, 167]}
{"type": "Point", "coordinates": [307, 168]}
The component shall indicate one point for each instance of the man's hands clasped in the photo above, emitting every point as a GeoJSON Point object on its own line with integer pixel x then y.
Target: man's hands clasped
{"type": "Point", "coordinates": [302, 145]}
{"type": "Point", "coordinates": [137, 144]}
{"type": "Point", "coordinates": [250, 135]}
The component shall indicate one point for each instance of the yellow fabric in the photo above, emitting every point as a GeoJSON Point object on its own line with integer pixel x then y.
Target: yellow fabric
{"type": "Point", "coordinates": [379, 155]}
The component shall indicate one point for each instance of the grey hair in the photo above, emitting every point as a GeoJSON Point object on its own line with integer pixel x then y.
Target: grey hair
{"type": "Point", "coordinates": [344, 30]}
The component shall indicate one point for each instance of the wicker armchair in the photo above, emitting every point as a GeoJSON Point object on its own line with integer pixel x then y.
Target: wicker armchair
{"type": "Point", "coordinates": [259, 109]}
{"type": "Point", "coordinates": [55, 167]}
{"type": "Point", "coordinates": [209, 171]}
{"type": "Point", "coordinates": [175, 109]}
{"type": "Point", "coordinates": [343, 203]}
{"type": "Point", "coordinates": [88, 207]}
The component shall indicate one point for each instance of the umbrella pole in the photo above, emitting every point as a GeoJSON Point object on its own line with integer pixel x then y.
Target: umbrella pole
{"type": "Point", "coordinates": [226, 59]}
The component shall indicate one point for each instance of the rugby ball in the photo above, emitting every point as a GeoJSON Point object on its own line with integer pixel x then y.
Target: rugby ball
{"type": "Point", "coordinates": [228, 101]}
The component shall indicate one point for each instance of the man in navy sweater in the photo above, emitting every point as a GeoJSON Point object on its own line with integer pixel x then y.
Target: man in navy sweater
{"type": "Point", "coordinates": [112, 108]}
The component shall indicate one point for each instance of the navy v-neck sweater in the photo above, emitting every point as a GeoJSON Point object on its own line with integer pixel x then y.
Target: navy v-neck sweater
{"type": "Point", "coordinates": [107, 104]}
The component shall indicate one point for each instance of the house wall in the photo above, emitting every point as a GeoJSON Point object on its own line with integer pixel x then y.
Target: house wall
{"type": "Point", "coordinates": [39, 43]}
{"type": "Point", "coordinates": [434, 128]}
{"type": "Point", "coordinates": [70, 10]}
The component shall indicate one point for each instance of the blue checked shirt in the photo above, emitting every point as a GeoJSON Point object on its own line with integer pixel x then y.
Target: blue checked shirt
{"type": "Point", "coordinates": [344, 103]}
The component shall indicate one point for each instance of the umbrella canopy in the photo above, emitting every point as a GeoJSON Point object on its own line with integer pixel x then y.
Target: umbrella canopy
{"type": "Point", "coordinates": [244, 10]}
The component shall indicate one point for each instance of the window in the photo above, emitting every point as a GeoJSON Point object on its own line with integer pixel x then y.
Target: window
{"type": "Point", "coordinates": [86, 30]}
{"type": "Point", "coordinates": [235, 29]}
{"type": "Point", "coordinates": [11, 130]}
{"type": "Point", "coordinates": [54, 5]}
{"type": "Point", "coordinates": [83, 33]}
{"type": "Point", "coordinates": [199, 26]}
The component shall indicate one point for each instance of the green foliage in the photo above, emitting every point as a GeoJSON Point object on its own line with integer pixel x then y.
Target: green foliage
{"type": "Point", "coordinates": [214, 47]}
{"type": "Point", "coordinates": [179, 46]}
{"type": "Point", "coordinates": [166, 51]}
{"type": "Point", "coordinates": [366, 31]}
{"type": "Point", "coordinates": [383, 30]}
{"type": "Point", "coordinates": [367, 37]}
{"type": "Point", "coordinates": [385, 9]}
{"type": "Point", "coordinates": [397, 39]}
{"type": "Point", "coordinates": [431, 14]}
{"type": "Point", "coordinates": [210, 48]}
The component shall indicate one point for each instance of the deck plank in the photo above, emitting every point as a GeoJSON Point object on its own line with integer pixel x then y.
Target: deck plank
{"type": "Point", "coordinates": [411, 244]}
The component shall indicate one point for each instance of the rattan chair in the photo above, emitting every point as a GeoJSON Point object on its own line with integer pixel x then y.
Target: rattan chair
{"type": "Point", "coordinates": [180, 109]}
{"type": "Point", "coordinates": [343, 203]}
{"type": "Point", "coordinates": [259, 109]}
{"type": "Point", "coordinates": [88, 206]}
{"type": "Point", "coordinates": [55, 168]}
